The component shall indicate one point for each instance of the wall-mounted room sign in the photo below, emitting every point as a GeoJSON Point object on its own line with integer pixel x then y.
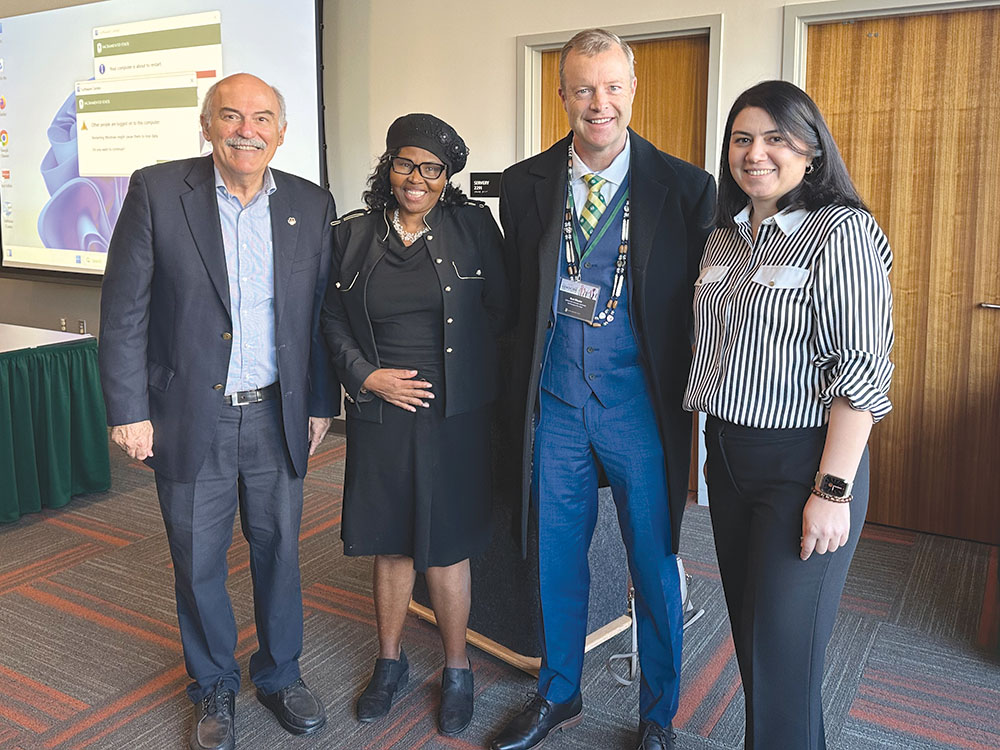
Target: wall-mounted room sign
{"type": "Point", "coordinates": [484, 184]}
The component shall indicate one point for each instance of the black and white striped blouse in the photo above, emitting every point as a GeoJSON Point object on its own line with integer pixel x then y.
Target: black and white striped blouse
{"type": "Point", "coordinates": [788, 323]}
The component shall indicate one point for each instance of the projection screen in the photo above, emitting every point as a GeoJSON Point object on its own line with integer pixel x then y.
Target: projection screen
{"type": "Point", "coordinates": [89, 94]}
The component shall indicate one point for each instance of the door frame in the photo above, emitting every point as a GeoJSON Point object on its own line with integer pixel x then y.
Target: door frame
{"type": "Point", "coordinates": [529, 74]}
{"type": "Point", "coordinates": [798, 18]}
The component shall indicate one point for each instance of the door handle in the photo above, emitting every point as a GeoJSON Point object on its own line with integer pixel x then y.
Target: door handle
{"type": "Point", "coordinates": [989, 306]}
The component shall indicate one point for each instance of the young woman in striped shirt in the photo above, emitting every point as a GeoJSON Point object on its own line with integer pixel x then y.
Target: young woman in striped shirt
{"type": "Point", "coordinates": [793, 330]}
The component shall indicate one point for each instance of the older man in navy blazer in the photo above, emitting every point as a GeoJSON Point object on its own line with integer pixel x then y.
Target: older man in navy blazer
{"type": "Point", "coordinates": [215, 376]}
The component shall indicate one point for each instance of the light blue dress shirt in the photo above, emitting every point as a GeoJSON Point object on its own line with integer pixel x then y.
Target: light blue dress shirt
{"type": "Point", "coordinates": [246, 235]}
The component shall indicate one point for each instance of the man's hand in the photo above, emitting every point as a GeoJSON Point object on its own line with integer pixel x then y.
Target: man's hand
{"type": "Point", "coordinates": [318, 427]}
{"type": "Point", "coordinates": [136, 439]}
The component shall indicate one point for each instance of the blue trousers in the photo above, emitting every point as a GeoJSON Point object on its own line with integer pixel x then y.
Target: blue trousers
{"type": "Point", "coordinates": [626, 441]}
{"type": "Point", "coordinates": [247, 466]}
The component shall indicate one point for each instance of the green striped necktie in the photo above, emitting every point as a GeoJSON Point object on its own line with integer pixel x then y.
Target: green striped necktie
{"type": "Point", "coordinates": [595, 205]}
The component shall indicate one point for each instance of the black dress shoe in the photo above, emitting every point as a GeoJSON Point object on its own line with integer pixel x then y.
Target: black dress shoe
{"type": "Point", "coordinates": [387, 680]}
{"type": "Point", "coordinates": [457, 691]}
{"type": "Point", "coordinates": [213, 721]}
{"type": "Point", "coordinates": [538, 717]}
{"type": "Point", "coordinates": [296, 708]}
{"type": "Point", "coordinates": [654, 737]}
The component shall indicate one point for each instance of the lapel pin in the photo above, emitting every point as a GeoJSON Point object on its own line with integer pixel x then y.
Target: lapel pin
{"type": "Point", "coordinates": [291, 221]}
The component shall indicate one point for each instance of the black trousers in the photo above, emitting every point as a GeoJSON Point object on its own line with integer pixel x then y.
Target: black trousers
{"type": "Point", "coordinates": [782, 609]}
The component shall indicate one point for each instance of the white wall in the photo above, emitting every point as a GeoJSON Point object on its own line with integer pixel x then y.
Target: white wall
{"type": "Point", "coordinates": [467, 76]}
{"type": "Point", "coordinates": [455, 59]}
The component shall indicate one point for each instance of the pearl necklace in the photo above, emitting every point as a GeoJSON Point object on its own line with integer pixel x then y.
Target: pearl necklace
{"type": "Point", "coordinates": [408, 238]}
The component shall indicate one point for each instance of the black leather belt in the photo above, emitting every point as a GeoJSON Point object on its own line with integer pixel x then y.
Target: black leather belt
{"type": "Point", "coordinates": [251, 397]}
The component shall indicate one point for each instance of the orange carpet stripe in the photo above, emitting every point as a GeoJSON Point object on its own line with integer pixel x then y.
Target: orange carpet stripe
{"type": "Point", "coordinates": [336, 487]}
{"type": "Point", "coordinates": [868, 606]}
{"type": "Point", "coordinates": [94, 523]}
{"type": "Point", "coordinates": [950, 689]}
{"type": "Point", "coordinates": [336, 611]}
{"type": "Point", "coordinates": [35, 701]}
{"type": "Point", "coordinates": [406, 720]}
{"type": "Point", "coordinates": [100, 536]}
{"type": "Point", "coordinates": [930, 708]}
{"type": "Point", "coordinates": [136, 696]}
{"type": "Point", "coordinates": [703, 570]}
{"type": "Point", "coordinates": [701, 687]}
{"type": "Point", "coordinates": [324, 458]}
{"type": "Point", "coordinates": [49, 565]}
{"type": "Point", "coordinates": [721, 706]}
{"type": "Point", "coordinates": [456, 742]}
{"type": "Point", "coordinates": [130, 716]}
{"type": "Point", "coordinates": [56, 695]}
{"type": "Point", "coordinates": [126, 701]}
{"type": "Point", "coordinates": [320, 527]}
{"type": "Point", "coordinates": [988, 634]}
{"type": "Point", "coordinates": [172, 629]}
{"type": "Point", "coordinates": [85, 613]}
{"type": "Point", "coordinates": [918, 725]}
{"type": "Point", "coordinates": [11, 714]}
{"type": "Point", "coordinates": [163, 698]}
{"type": "Point", "coordinates": [338, 594]}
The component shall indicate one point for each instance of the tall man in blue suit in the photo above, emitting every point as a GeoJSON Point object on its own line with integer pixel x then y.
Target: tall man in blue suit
{"type": "Point", "coordinates": [603, 237]}
{"type": "Point", "coordinates": [214, 374]}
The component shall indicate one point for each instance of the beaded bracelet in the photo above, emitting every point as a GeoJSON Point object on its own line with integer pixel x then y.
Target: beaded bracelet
{"type": "Point", "coordinates": [832, 498]}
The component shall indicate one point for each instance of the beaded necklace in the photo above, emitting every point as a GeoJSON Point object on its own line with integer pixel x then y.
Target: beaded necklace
{"type": "Point", "coordinates": [573, 254]}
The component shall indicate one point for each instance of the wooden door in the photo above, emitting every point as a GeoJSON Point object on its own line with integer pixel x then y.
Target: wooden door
{"type": "Point", "coordinates": [669, 110]}
{"type": "Point", "coordinates": [914, 102]}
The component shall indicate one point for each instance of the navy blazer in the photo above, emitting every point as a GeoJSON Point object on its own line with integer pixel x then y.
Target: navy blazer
{"type": "Point", "coordinates": [672, 204]}
{"type": "Point", "coordinates": [165, 336]}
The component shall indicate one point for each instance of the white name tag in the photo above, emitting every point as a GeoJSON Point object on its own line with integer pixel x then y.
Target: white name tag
{"type": "Point", "coordinates": [577, 299]}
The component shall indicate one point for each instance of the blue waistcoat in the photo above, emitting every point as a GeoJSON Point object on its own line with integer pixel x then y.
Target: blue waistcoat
{"type": "Point", "coordinates": [581, 359]}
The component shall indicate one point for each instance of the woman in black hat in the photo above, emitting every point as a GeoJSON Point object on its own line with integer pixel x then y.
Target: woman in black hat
{"type": "Point", "coordinates": [416, 299]}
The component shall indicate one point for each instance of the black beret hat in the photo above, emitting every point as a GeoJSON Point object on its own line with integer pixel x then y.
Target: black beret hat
{"type": "Point", "coordinates": [430, 133]}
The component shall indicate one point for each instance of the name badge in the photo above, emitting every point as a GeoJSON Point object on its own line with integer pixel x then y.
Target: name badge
{"type": "Point", "coordinates": [577, 299]}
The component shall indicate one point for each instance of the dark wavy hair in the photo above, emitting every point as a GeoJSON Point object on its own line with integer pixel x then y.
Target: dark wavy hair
{"type": "Point", "coordinates": [797, 118]}
{"type": "Point", "coordinates": [379, 195]}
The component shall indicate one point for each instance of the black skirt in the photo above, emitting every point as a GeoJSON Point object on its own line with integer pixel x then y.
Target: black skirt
{"type": "Point", "coordinates": [418, 485]}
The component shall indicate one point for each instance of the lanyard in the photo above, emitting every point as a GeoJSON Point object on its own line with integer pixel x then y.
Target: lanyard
{"type": "Point", "coordinates": [573, 257]}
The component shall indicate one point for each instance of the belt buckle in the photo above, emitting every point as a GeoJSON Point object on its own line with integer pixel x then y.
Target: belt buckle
{"type": "Point", "coordinates": [243, 398]}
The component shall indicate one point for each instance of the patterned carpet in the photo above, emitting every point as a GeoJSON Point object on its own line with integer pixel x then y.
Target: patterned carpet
{"type": "Point", "coordinates": [90, 654]}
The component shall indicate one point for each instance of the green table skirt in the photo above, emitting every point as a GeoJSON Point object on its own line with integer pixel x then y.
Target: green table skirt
{"type": "Point", "coordinates": [53, 438]}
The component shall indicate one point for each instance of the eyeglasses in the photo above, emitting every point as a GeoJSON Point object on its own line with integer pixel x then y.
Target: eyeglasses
{"type": "Point", "coordinates": [429, 170]}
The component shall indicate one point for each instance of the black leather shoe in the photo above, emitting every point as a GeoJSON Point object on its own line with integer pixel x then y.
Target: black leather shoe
{"type": "Point", "coordinates": [213, 721]}
{"type": "Point", "coordinates": [296, 708]}
{"type": "Point", "coordinates": [457, 691]}
{"type": "Point", "coordinates": [538, 717]}
{"type": "Point", "coordinates": [654, 737]}
{"type": "Point", "coordinates": [390, 676]}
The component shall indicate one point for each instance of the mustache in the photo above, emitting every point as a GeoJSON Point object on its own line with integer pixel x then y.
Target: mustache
{"type": "Point", "coordinates": [236, 141]}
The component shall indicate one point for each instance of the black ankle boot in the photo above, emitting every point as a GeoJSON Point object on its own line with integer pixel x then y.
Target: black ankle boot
{"type": "Point", "coordinates": [457, 691]}
{"type": "Point", "coordinates": [390, 676]}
